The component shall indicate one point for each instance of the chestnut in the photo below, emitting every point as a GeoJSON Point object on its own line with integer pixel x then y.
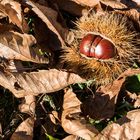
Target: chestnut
{"type": "Point", "coordinates": [96, 46]}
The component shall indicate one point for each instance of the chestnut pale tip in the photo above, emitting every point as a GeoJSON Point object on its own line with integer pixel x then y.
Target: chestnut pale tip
{"type": "Point", "coordinates": [95, 46]}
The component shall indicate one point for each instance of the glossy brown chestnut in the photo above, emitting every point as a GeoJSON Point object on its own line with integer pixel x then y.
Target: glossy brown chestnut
{"type": "Point", "coordinates": [97, 47]}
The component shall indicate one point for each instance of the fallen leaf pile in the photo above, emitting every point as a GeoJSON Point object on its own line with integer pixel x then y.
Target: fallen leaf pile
{"type": "Point", "coordinates": [48, 102]}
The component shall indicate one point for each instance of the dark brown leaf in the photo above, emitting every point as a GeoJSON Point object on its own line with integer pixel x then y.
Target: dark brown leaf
{"type": "Point", "coordinates": [102, 105]}
{"type": "Point", "coordinates": [70, 6]}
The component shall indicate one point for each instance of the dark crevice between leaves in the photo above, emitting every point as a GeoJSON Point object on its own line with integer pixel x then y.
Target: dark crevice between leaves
{"type": "Point", "coordinates": [43, 124]}
{"type": "Point", "coordinates": [10, 117]}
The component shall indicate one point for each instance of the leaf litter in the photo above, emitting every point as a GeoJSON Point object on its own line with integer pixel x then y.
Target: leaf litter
{"type": "Point", "coordinates": [33, 35]}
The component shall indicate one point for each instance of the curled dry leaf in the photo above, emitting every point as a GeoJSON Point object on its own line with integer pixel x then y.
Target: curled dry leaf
{"type": "Point", "coordinates": [102, 105]}
{"type": "Point", "coordinates": [14, 45]}
{"type": "Point", "coordinates": [34, 83]}
{"type": "Point", "coordinates": [71, 120]}
{"type": "Point", "coordinates": [126, 128]}
{"type": "Point", "coordinates": [28, 105]}
{"type": "Point", "coordinates": [24, 130]}
{"type": "Point", "coordinates": [46, 20]}
{"type": "Point", "coordinates": [13, 10]}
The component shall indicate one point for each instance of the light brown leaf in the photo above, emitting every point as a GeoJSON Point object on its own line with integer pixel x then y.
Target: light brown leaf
{"type": "Point", "coordinates": [13, 10]}
{"type": "Point", "coordinates": [135, 99]}
{"type": "Point", "coordinates": [102, 105]}
{"type": "Point", "coordinates": [137, 102]}
{"type": "Point", "coordinates": [126, 128]}
{"type": "Point", "coordinates": [90, 3]}
{"type": "Point", "coordinates": [46, 20]}
{"type": "Point", "coordinates": [71, 120]}
{"type": "Point", "coordinates": [115, 4]}
{"type": "Point", "coordinates": [136, 1]}
{"type": "Point", "coordinates": [70, 137]}
{"type": "Point", "coordinates": [24, 130]}
{"type": "Point", "coordinates": [54, 116]}
{"type": "Point", "coordinates": [14, 45]}
{"type": "Point", "coordinates": [34, 83]}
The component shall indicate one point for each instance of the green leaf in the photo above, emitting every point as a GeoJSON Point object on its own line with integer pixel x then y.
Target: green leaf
{"type": "Point", "coordinates": [49, 137]}
{"type": "Point", "coordinates": [138, 76]}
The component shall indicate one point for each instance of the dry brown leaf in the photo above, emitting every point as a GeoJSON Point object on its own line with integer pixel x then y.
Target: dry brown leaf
{"type": "Point", "coordinates": [137, 102]}
{"type": "Point", "coordinates": [135, 99]}
{"type": "Point", "coordinates": [129, 9]}
{"type": "Point", "coordinates": [129, 72]}
{"type": "Point", "coordinates": [131, 3]}
{"type": "Point", "coordinates": [14, 66]}
{"type": "Point", "coordinates": [52, 16]}
{"type": "Point", "coordinates": [136, 1]}
{"type": "Point", "coordinates": [90, 3]}
{"type": "Point", "coordinates": [102, 105]}
{"type": "Point", "coordinates": [14, 45]}
{"type": "Point", "coordinates": [53, 117]}
{"type": "Point", "coordinates": [126, 128]}
{"type": "Point", "coordinates": [46, 20]}
{"type": "Point", "coordinates": [70, 6]}
{"type": "Point", "coordinates": [115, 4]}
{"type": "Point", "coordinates": [24, 130]}
{"type": "Point", "coordinates": [70, 137]}
{"type": "Point", "coordinates": [71, 120]}
{"type": "Point", "coordinates": [134, 15]}
{"type": "Point", "coordinates": [13, 10]}
{"type": "Point", "coordinates": [34, 83]}
{"type": "Point", "coordinates": [28, 105]}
